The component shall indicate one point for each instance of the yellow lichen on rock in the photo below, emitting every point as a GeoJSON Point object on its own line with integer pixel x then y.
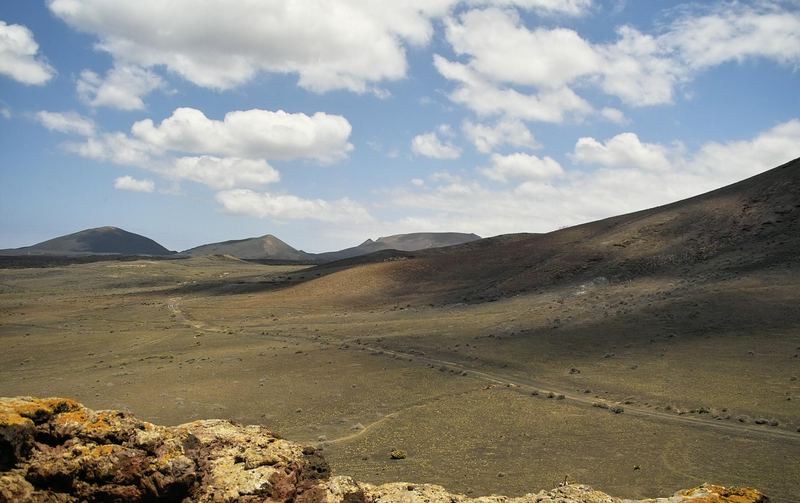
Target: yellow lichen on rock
{"type": "Point", "coordinates": [55, 450]}
{"type": "Point", "coordinates": [710, 493]}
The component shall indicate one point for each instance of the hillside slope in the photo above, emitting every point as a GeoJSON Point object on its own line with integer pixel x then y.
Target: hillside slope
{"type": "Point", "coordinates": [752, 224]}
{"type": "Point", "coordinates": [96, 241]}
{"type": "Point", "coordinates": [263, 247]}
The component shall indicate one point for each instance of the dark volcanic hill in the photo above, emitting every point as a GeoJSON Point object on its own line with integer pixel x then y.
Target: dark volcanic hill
{"type": "Point", "coordinates": [750, 225]}
{"type": "Point", "coordinates": [269, 247]}
{"type": "Point", "coordinates": [263, 247]}
{"type": "Point", "coordinates": [403, 242]}
{"type": "Point", "coordinates": [97, 241]}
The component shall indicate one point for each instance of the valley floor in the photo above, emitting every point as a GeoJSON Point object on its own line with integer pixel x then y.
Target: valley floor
{"type": "Point", "coordinates": [495, 397]}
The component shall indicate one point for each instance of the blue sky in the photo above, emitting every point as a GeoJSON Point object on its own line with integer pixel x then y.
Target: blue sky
{"type": "Point", "coordinates": [326, 122]}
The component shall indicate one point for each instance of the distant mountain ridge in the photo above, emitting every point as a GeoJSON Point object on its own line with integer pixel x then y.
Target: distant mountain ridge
{"type": "Point", "coordinates": [404, 242]}
{"type": "Point", "coordinates": [97, 241]}
{"type": "Point", "coordinates": [269, 247]}
{"type": "Point", "coordinates": [262, 247]}
{"type": "Point", "coordinates": [116, 241]}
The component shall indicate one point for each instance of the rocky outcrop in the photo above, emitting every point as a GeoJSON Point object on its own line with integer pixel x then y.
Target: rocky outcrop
{"type": "Point", "coordinates": [56, 450]}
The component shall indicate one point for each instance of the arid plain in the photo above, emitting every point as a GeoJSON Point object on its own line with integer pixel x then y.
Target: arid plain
{"type": "Point", "coordinates": [641, 354]}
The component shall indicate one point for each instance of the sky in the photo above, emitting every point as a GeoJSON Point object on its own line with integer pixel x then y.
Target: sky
{"type": "Point", "coordinates": [327, 122]}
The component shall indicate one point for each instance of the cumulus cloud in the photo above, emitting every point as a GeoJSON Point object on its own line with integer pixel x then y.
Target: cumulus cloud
{"type": "Point", "coordinates": [19, 58]}
{"type": "Point", "coordinates": [522, 166]}
{"type": "Point", "coordinates": [733, 32]}
{"type": "Point", "coordinates": [487, 137]}
{"type": "Point", "coordinates": [739, 159]}
{"type": "Point", "coordinates": [129, 183]}
{"type": "Point", "coordinates": [429, 145]}
{"type": "Point", "coordinates": [614, 115]}
{"type": "Point", "coordinates": [122, 87]}
{"type": "Point", "coordinates": [115, 147]}
{"type": "Point", "coordinates": [548, 58]}
{"type": "Point", "coordinates": [478, 93]}
{"type": "Point", "coordinates": [221, 154]}
{"type": "Point", "coordinates": [224, 173]}
{"type": "Point", "coordinates": [622, 151]}
{"type": "Point", "coordinates": [66, 122]}
{"type": "Point", "coordinates": [289, 207]}
{"type": "Point", "coordinates": [221, 44]}
{"type": "Point", "coordinates": [611, 187]}
{"type": "Point", "coordinates": [250, 133]}
{"type": "Point", "coordinates": [567, 7]}
{"type": "Point", "coordinates": [531, 73]}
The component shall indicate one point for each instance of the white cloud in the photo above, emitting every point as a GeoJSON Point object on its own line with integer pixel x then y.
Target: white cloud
{"type": "Point", "coordinates": [476, 92]}
{"type": "Point", "coordinates": [614, 115]}
{"type": "Point", "coordinates": [66, 122]}
{"type": "Point", "coordinates": [622, 151]}
{"type": "Point", "coordinates": [568, 7]}
{"type": "Point", "coordinates": [531, 74]}
{"type": "Point", "coordinates": [740, 159]}
{"type": "Point", "coordinates": [226, 154]}
{"type": "Point", "coordinates": [129, 183]}
{"type": "Point", "coordinates": [123, 87]}
{"type": "Point", "coordinates": [328, 44]}
{"type": "Point", "coordinates": [223, 173]}
{"type": "Point", "coordinates": [545, 58]}
{"type": "Point", "coordinates": [522, 166]}
{"type": "Point", "coordinates": [250, 134]}
{"type": "Point", "coordinates": [429, 145]}
{"type": "Point", "coordinates": [289, 207]}
{"type": "Point", "coordinates": [639, 69]}
{"type": "Point", "coordinates": [539, 205]}
{"type": "Point", "coordinates": [18, 56]}
{"type": "Point", "coordinates": [115, 147]}
{"type": "Point", "coordinates": [222, 44]}
{"type": "Point", "coordinates": [511, 132]}
{"type": "Point", "coordinates": [735, 32]}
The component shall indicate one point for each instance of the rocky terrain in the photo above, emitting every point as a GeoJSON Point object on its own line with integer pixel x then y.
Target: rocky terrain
{"type": "Point", "coordinates": [56, 450]}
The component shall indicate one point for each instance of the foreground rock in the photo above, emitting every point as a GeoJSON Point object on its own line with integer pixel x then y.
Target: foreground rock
{"type": "Point", "coordinates": [56, 450]}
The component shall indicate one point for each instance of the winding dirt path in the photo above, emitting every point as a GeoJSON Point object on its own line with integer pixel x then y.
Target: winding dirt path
{"type": "Point", "coordinates": [530, 385]}
{"type": "Point", "coordinates": [527, 385]}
